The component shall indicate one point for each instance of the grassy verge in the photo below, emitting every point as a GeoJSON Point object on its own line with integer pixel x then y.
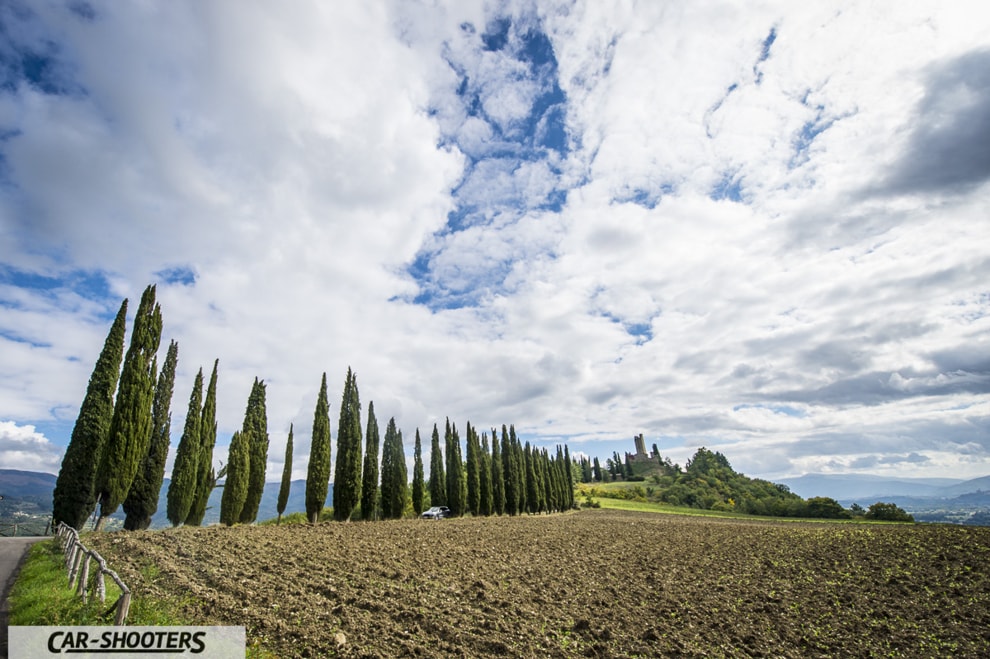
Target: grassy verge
{"type": "Point", "coordinates": [41, 596]}
{"type": "Point", "coordinates": [667, 509]}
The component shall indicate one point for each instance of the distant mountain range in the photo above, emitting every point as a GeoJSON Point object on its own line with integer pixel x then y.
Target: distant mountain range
{"type": "Point", "coordinates": [31, 492]}
{"type": "Point", "coordinates": [863, 487]}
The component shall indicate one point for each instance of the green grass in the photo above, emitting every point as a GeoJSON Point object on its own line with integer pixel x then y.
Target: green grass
{"type": "Point", "coordinates": [667, 509]}
{"type": "Point", "coordinates": [41, 596]}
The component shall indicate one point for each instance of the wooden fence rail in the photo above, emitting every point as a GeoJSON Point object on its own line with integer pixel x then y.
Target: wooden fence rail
{"type": "Point", "coordinates": [77, 561]}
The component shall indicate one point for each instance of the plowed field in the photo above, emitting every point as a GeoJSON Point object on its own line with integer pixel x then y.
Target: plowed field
{"type": "Point", "coordinates": [591, 583]}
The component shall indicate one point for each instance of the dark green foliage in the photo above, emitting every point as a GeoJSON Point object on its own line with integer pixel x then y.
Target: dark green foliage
{"type": "Point", "coordinates": [473, 471]}
{"type": "Point", "coordinates": [887, 512]}
{"type": "Point", "coordinates": [142, 500]}
{"type": "Point", "coordinates": [519, 458]}
{"type": "Point", "coordinates": [318, 472]}
{"type": "Point", "coordinates": [509, 474]}
{"type": "Point", "coordinates": [597, 471]}
{"type": "Point", "coordinates": [456, 476]}
{"type": "Point", "coordinates": [533, 490]}
{"type": "Point", "coordinates": [130, 427]}
{"type": "Point", "coordinates": [568, 479]}
{"type": "Point", "coordinates": [369, 480]}
{"type": "Point", "coordinates": [418, 483]}
{"type": "Point", "coordinates": [438, 477]}
{"type": "Point", "coordinates": [238, 479]}
{"type": "Point", "coordinates": [206, 477]}
{"type": "Point", "coordinates": [283, 490]}
{"type": "Point", "coordinates": [74, 498]}
{"type": "Point", "coordinates": [394, 477]}
{"type": "Point", "coordinates": [498, 477]}
{"type": "Point", "coordinates": [182, 488]}
{"type": "Point", "coordinates": [825, 508]}
{"type": "Point", "coordinates": [255, 429]}
{"type": "Point", "coordinates": [487, 502]}
{"type": "Point", "coordinates": [347, 470]}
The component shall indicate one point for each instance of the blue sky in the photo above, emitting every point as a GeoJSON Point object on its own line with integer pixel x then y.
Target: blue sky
{"type": "Point", "coordinates": [759, 229]}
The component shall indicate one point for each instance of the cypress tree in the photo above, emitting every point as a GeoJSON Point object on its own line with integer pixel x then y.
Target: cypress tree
{"type": "Point", "coordinates": [394, 477]}
{"type": "Point", "coordinates": [182, 488]}
{"type": "Point", "coordinates": [369, 480]}
{"type": "Point", "coordinates": [347, 470]}
{"type": "Point", "coordinates": [206, 477]}
{"type": "Point", "coordinates": [548, 496]}
{"type": "Point", "coordinates": [456, 480]}
{"type": "Point", "coordinates": [532, 482]}
{"type": "Point", "coordinates": [74, 498]}
{"type": "Point", "coordinates": [283, 490]}
{"type": "Point", "coordinates": [519, 457]}
{"type": "Point", "coordinates": [498, 477]}
{"type": "Point", "coordinates": [486, 502]}
{"type": "Point", "coordinates": [130, 427]}
{"type": "Point", "coordinates": [142, 500]}
{"type": "Point", "coordinates": [238, 477]}
{"type": "Point", "coordinates": [418, 482]}
{"type": "Point", "coordinates": [509, 474]}
{"type": "Point", "coordinates": [318, 472]}
{"type": "Point", "coordinates": [438, 479]}
{"type": "Point", "coordinates": [568, 479]}
{"type": "Point", "coordinates": [255, 428]}
{"type": "Point", "coordinates": [473, 472]}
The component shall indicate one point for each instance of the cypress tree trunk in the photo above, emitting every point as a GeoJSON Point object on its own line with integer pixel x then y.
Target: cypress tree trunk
{"type": "Point", "coordinates": [74, 498]}
{"type": "Point", "coordinates": [206, 477]}
{"type": "Point", "coordinates": [394, 475]}
{"type": "Point", "coordinates": [318, 472]}
{"type": "Point", "coordinates": [130, 427]}
{"type": "Point", "coordinates": [142, 501]}
{"type": "Point", "coordinates": [418, 484]}
{"type": "Point", "coordinates": [283, 490]}
{"type": "Point", "coordinates": [255, 427]}
{"type": "Point", "coordinates": [369, 480]}
{"type": "Point", "coordinates": [238, 475]}
{"type": "Point", "coordinates": [182, 488]}
{"type": "Point", "coordinates": [438, 479]}
{"type": "Point", "coordinates": [347, 471]}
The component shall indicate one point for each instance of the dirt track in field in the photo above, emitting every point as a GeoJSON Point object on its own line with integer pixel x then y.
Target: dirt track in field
{"type": "Point", "coordinates": [592, 583]}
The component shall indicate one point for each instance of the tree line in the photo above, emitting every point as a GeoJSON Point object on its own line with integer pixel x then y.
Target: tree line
{"type": "Point", "coordinates": [119, 445]}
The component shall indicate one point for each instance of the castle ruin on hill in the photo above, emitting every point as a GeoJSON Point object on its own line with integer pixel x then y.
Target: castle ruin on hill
{"type": "Point", "coordinates": [641, 455]}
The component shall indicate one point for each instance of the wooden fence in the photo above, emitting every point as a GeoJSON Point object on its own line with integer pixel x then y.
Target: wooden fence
{"type": "Point", "coordinates": [77, 561]}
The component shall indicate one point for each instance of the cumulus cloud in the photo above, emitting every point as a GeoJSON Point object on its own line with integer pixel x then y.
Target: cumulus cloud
{"type": "Point", "coordinates": [23, 448]}
{"type": "Point", "coordinates": [723, 227]}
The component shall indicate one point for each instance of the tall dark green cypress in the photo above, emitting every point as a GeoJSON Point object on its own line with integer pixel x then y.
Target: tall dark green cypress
{"type": "Point", "coordinates": [498, 477]}
{"type": "Point", "coordinates": [569, 479]}
{"type": "Point", "coordinates": [509, 474]}
{"type": "Point", "coordinates": [519, 457]}
{"type": "Point", "coordinates": [418, 482]}
{"type": "Point", "coordinates": [487, 499]}
{"type": "Point", "coordinates": [532, 481]}
{"type": "Point", "coordinates": [130, 427]}
{"type": "Point", "coordinates": [182, 488]}
{"type": "Point", "coordinates": [369, 479]}
{"type": "Point", "coordinates": [473, 469]}
{"type": "Point", "coordinates": [74, 498]}
{"type": "Point", "coordinates": [256, 429]}
{"type": "Point", "coordinates": [283, 490]}
{"type": "Point", "coordinates": [206, 476]}
{"type": "Point", "coordinates": [438, 477]}
{"type": "Point", "coordinates": [347, 469]}
{"type": "Point", "coordinates": [394, 475]}
{"type": "Point", "coordinates": [142, 500]}
{"type": "Point", "coordinates": [547, 502]}
{"type": "Point", "coordinates": [456, 477]}
{"type": "Point", "coordinates": [238, 478]}
{"type": "Point", "coordinates": [318, 471]}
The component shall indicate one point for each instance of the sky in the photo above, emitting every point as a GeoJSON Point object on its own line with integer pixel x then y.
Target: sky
{"type": "Point", "coordinates": [757, 227]}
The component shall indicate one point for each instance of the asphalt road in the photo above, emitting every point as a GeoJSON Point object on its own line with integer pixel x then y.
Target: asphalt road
{"type": "Point", "coordinates": [12, 551]}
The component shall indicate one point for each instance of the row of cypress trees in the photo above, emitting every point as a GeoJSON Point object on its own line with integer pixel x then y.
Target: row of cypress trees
{"type": "Point", "coordinates": [119, 446]}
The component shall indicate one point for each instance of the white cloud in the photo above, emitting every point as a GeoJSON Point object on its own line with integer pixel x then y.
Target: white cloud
{"type": "Point", "coordinates": [21, 447]}
{"type": "Point", "coordinates": [299, 162]}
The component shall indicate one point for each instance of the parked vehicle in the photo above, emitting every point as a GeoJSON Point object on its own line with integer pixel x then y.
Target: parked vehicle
{"type": "Point", "coordinates": [436, 512]}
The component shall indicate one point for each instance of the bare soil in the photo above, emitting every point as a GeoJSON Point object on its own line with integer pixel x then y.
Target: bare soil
{"type": "Point", "coordinates": [594, 583]}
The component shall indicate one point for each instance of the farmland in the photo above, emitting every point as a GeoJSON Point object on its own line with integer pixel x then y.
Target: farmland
{"type": "Point", "coordinates": [591, 583]}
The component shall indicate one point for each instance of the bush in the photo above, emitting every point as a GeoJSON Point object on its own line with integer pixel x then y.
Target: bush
{"type": "Point", "coordinates": [887, 512]}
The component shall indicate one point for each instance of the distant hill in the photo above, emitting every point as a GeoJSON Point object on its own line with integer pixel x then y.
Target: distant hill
{"type": "Point", "coordinates": [864, 486]}
{"type": "Point", "coordinates": [31, 492]}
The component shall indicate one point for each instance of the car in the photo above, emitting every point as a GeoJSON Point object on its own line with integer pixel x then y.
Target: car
{"type": "Point", "coordinates": [436, 512]}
